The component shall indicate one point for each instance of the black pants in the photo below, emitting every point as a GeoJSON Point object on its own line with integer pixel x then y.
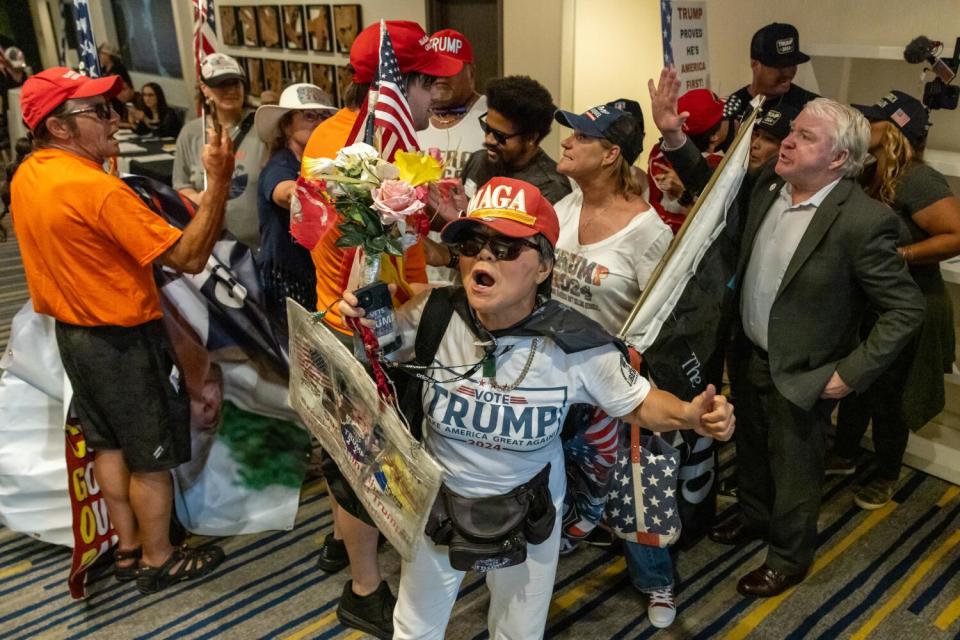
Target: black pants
{"type": "Point", "coordinates": [780, 451]}
{"type": "Point", "coordinates": [890, 434]}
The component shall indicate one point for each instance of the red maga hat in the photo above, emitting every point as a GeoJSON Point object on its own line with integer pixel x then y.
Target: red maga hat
{"type": "Point", "coordinates": [47, 90]}
{"type": "Point", "coordinates": [411, 45]}
{"type": "Point", "coordinates": [511, 207]}
{"type": "Point", "coordinates": [451, 42]}
{"type": "Point", "coordinates": [705, 109]}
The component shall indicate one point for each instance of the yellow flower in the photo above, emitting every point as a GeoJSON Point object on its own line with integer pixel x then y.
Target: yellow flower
{"type": "Point", "coordinates": [417, 169]}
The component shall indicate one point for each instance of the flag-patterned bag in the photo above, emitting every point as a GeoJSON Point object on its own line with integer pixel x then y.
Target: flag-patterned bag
{"type": "Point", "coordinates": [642, 504]}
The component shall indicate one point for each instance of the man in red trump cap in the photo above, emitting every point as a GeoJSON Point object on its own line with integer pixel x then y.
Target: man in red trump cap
{"type": "Point", "coordinates": [89, 245]}
{"type": "Point", "coordinates": [521, 360]}
{"type": "Point", "coordinates": [366, 602]}
{"type": "Point", "coordinates": [456, 107]}
{"type": "Point", "coordinates": [454, 133]}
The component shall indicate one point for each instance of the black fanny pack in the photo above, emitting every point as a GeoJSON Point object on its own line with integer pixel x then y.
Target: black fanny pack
{"type": "Point", "coordinates": [492, 533]}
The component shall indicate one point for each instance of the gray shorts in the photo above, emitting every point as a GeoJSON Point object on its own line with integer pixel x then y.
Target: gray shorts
{"type": "Point", "coordinates": [128, 393]}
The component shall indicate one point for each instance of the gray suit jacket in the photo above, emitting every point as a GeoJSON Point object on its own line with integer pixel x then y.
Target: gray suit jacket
{"type": "Point", "coordinates": [846, 260]}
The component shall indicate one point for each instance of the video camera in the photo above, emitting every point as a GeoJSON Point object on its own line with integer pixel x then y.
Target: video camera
{"type": "Point", "coordinates": [939, 93]}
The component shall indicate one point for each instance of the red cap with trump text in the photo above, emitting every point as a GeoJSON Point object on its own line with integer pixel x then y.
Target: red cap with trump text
{"type": "Point", "coordinates": [451, 42]}
{"type": "Point", "coordinates": [510, 207]}
{"type": "Point", "coordinates": [411, 46]}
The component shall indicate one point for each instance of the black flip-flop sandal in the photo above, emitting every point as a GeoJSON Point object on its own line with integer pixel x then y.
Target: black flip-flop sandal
{"type": "Point", "coordinates": [194, 563]}
{"type": "Point", "coordinates": [129, 572]}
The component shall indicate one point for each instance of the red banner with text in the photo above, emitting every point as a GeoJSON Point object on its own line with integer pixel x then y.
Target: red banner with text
{"type": "Point", "coordinates": [93, 533]}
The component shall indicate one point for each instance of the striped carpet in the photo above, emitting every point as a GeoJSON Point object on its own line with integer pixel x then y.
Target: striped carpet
{"type": "Point", "coordinates": [891, 573]}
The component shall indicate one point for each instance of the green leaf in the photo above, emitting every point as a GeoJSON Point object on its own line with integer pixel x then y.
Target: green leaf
{"type": "Point", "coordinates": [394, 247]}
{"type": "Point", "coordinates": [377, 244]}
{"type": "Point", "coordinates": [344, 242]}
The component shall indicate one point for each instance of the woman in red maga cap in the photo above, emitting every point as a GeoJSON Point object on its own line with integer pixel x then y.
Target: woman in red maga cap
{"type": "Point", "coordinates": [509, 364]}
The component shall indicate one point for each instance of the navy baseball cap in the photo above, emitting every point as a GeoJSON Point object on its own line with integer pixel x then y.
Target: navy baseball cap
{"type": "Point", "coordinates": [597, 123]}
{"type": "Point", "coordinates": [903, 110]}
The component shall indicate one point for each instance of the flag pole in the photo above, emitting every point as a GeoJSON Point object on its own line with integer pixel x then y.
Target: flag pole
{"type": "Point", "coordinates": [655, 276]}
{"type": "Point", "coordinates": [369, 130]}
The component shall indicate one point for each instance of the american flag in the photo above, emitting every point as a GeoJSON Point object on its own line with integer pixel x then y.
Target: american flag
{"type": "Point", "coordinates": [204, 31]}
{"type": "Point", "coordinates": [666, 24]}
{"type": "Point", "coordinates": [593, 452]}
{"type": "Point", "coordinates": [86, 44]}
{"type": "Point", "coordinates": [391, 113]}
{"type": "Point", "coordinates": [642, 503]}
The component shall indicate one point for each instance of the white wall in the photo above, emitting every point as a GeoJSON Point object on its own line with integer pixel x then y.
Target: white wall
{"type": "Point", "coordinates": [731, 23]}
{"type": "Point", "coordinates": [617, 48]}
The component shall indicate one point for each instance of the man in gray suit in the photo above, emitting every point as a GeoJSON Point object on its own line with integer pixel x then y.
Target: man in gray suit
{"type": "Point", "coordinates": [815, 252]}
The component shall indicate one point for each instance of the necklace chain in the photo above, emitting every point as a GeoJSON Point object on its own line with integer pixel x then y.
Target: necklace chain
{"type": "Point", "coordinates": [534, 345]}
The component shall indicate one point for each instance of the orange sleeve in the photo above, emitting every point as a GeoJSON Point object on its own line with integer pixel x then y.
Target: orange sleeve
{"type": "Point", "coordinates": [126, 220]}
{"type": "Point", "coordinates": [415, 264]}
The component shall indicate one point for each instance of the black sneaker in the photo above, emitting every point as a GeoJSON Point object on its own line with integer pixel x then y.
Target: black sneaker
{"type": "Point", "coordinates": [333, 555]}
{"type": "Point", "coordinates": [371, 614]}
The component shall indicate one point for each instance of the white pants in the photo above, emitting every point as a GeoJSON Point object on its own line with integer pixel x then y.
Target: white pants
{"type": "Point", "coordinates": [519, 595]}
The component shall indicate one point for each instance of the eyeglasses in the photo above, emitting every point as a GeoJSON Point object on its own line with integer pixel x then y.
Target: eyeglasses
{"type": "Point", "coordinates": [103, 111]}
{"type": "Point", "coordinates": [498, 135]}
{"type": "Point", "coordinates": [502, 247]}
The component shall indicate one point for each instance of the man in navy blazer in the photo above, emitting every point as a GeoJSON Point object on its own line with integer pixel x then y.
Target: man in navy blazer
{"type": "Point", "coordinates": [815, 253]}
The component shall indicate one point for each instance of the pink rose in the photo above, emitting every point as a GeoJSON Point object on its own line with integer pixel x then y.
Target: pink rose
{"type": "Point", "coordinates": [395, 200]}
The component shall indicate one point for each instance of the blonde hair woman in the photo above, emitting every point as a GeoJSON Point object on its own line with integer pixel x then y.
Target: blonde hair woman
{"type": "Point", "coordinates": [911, 391]}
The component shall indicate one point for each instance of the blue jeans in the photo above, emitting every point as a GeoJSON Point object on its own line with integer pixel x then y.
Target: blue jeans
{"type": "Point", "coordinates": [650, 568]}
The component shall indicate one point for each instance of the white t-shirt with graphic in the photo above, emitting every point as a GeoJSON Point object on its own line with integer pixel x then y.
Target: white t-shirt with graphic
{"type": "Point", "coordinates": [603, 280]}
{"type": "Point", "coordinates": [456, 143]}
{"type": "Point", "coordinates": [489, 441]}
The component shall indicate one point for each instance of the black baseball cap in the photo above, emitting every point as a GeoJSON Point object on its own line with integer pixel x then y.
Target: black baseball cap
{"type": "Point", "coordinates": [597, 123]}
{"type": "Point", "coordinates": [776, 120]}
{"type": "Point", "coordinates": [903, 110]}
{"type": "Point", "coordinates": [777, 45]}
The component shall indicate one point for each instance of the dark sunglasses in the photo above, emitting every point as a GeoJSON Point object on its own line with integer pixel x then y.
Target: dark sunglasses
{"type": "Point", "coordinates": [502, 247]}
{"type": "Point", "coordinates": [103, 111]}
{"type": "Point", "coordinates": [498, 135]}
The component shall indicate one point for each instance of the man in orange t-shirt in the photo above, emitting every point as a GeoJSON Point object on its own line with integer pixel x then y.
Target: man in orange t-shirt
{"type": "Point", "coordinates": [88, 245]}
{"type": "Point", "coordinates": [366, 602]}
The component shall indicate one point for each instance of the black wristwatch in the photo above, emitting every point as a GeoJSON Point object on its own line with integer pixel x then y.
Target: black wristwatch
{"type": "Point", "coordinates": [454, 260]}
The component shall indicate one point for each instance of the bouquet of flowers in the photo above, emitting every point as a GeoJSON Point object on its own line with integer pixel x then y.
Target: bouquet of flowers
{"type": "Point", "coordinates": [380, 205]}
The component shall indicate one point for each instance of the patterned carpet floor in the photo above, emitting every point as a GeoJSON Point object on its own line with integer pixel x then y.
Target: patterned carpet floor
{"type": "Point", "coordinates": [892, 573]}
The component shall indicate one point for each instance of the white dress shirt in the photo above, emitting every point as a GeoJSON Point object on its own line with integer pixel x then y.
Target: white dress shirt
{"type": "Point", "coordinates": [774, 246]}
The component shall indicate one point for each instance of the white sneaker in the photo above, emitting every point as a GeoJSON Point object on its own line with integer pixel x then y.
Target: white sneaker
{"type": "Point", "coordinates": [568, 545]}
{"type": "Point", "coordinates": [662, 609]}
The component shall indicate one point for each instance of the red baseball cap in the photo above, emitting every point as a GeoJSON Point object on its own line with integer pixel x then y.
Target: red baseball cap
{"type": "Point", "coordinates": [454, 44]}
{"type": "Point", "coordinates": [511, 207]}
{"type": "Point", "coordinates": [47, 90]}
{"type": "Point", "coordinates": [705, 109]}
{"type": "Point", "coordinates": [411, 45]}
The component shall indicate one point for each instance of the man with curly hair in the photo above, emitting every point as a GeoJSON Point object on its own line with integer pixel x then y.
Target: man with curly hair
{"type": "Point", "coordinates": [519, 115]}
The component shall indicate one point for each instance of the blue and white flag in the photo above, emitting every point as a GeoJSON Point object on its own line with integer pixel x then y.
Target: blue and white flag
{"type": "Point", "coordinates": [666, 28]}
{"type": "Point", "coordinates": [86, 43]}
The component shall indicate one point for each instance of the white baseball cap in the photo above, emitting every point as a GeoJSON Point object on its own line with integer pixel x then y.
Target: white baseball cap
{"type": "Point", "coordinates": [218, 68]}
{"type": "Point", "coordinates": [15, 58]}
{"type": "Point", "coordinates": [297, 97]}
